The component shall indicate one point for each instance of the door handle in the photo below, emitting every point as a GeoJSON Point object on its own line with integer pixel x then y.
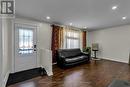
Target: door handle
{"type": "Point", "coordinates": [35, 47]}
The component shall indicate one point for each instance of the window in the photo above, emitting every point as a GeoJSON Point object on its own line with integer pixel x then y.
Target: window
{"type": "Point", "coordinates": [72, 39]}
{"type": "Point", "coordinates": [25, 41]}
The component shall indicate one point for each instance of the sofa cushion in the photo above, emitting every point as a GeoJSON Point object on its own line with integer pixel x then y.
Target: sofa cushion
{"type": "Point", "coordinates": [75, 59]}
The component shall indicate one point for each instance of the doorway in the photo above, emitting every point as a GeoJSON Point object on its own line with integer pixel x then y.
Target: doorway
{"type": "Point", "coordinates": [25, 47]}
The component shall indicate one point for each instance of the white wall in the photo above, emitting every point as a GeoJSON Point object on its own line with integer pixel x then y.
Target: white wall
{"type": "Point", "coordinates": [46, 61]}
{"type": "Point", "coordinates": [44, 47]}
{"type": "Point", "coordinates": [114, 43]}
{"type": "Point", "coordinates": [44, 36]}
{"type": "Point", "coordinates": [11, 43]}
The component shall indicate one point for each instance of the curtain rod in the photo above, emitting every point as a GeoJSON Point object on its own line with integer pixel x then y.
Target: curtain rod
{"type": "Point", "coordinates": [71, 27]}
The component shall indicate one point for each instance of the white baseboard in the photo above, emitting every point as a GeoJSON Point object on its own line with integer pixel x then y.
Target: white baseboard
{"type": "Point", "coordinates": [49, 73]}
{"type": "Point", "coordinates": [5, 79]}
{"type": "Point", "coordinates": [114, 60]}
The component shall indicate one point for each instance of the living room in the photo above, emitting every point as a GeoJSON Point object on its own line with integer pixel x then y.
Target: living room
{"type": "Point", "coordinates": [75, 43]}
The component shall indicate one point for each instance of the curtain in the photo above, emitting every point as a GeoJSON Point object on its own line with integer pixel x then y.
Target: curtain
{"type": "Point", "coordinates": [84, 39]}
{"type": "Point", "coordinates": [61, 37]}
{"type": "Point", "coordinates": [57, 40]}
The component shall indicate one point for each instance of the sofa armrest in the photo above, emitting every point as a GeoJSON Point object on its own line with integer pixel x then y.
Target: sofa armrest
{"type": "Point", "coordinates": [61, 58]}
{"type": "Point", "coordinates": [61, 61]}
{"type": "Point", "coordinates": [85, 53]}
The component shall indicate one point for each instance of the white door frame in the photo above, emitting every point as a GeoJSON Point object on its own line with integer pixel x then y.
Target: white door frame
{"type": "Point", "coordinates": [26, 22]}
{"type": "Point", "coordinates": [0, 53]}
{"type": "Point", "coordinates": [28, 26]}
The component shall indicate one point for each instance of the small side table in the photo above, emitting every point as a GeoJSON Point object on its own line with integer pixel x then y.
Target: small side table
{"type": "Point", "coordinates": [95, 56]}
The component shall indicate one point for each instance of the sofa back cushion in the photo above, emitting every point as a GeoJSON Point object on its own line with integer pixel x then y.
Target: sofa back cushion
{"type": "Point", "coordinates": [67, 53]}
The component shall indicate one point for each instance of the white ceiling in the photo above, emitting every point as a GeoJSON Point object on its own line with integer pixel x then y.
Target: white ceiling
{"type": "Point", "coordinates": [95, 14]}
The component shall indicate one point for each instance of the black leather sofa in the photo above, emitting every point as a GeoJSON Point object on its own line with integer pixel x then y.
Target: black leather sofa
{"type": "Point", "coordinates": [69, 57]}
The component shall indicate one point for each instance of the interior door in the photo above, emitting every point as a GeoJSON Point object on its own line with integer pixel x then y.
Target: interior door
{"type": "Point", "coordinates": [25, 47]}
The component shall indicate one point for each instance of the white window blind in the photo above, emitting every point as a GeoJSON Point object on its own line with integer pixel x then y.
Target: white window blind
{"type": "Point", "coordinates": [72, 38]}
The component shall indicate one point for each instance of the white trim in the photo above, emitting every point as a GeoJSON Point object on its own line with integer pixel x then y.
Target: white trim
{"type": "Point", "coordinates": [13, 46]}
{"type": "Point", "coordinates": [49, 73]}
{"type": "Point", "coordinates": [38, 55]}
{"type": "Point", "coordinates": [26, 22]}
{"type": "Point", "coordinates": [113, 60]}
{"type": "Point", "coordinates": [0, 53]}
{"type": "Point", "coordinates": [4, 82]}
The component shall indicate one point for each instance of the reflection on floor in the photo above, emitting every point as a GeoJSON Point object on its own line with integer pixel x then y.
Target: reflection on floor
{"type": "Point", "coordinates": [98, 74]}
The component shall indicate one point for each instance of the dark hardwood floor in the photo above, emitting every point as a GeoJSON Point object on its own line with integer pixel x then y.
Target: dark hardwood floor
{"type": "Point", "coordinates": [99, 74]}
